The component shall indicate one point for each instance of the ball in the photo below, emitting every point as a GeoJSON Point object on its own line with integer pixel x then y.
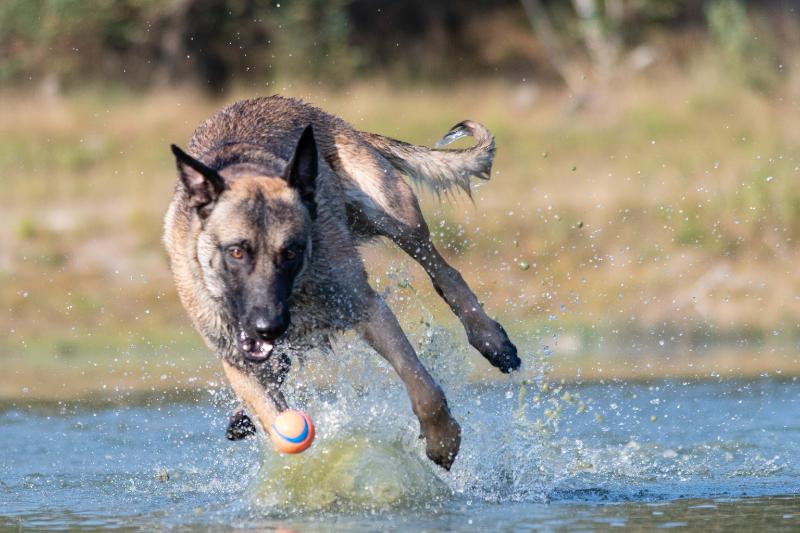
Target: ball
{"type": "Point", "coordinates": [292, 431]}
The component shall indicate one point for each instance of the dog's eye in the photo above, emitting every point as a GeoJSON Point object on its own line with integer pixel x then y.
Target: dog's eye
{"type": "Point", "coordinates": [290, 255]}
{"type": "Point", "coordinates": [236, 252]}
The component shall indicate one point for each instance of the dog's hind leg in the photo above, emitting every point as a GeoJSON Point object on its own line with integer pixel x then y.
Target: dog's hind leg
{"type": "Point", "coordinates": [404, 224]}
{"type": "Point", "coordinates": [383, 333]}
{"type": "Point", "coordinates": [383, 203]}
{"type": "Point", "coordinates": [484, 334]}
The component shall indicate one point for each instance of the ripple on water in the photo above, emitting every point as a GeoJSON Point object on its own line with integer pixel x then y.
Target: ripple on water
{"type": "Point", "coordinates": [530, 454]}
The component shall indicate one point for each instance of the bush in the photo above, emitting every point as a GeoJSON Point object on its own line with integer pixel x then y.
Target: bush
{"type": "Point", "coordinates": [744, 54]}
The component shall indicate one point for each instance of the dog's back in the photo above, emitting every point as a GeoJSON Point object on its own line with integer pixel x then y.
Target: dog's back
{"type": "Point", "coordinates": [272, 122]}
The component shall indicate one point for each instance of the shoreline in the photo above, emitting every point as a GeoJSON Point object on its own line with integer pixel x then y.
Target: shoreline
{"type": "Point", "coordinates": [30, 383]}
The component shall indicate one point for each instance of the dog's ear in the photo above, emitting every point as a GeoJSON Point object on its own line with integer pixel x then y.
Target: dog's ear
{"type": "Point", "coordinates": [301, 172]}
{"type": "Point", "coordinates": [203, 184]}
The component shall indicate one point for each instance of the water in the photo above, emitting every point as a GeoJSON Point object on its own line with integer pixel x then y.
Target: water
{"type": "Point", "coordinates": [663, 454]}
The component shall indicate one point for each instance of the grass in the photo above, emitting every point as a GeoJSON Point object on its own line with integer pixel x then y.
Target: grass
{"type": "Point", "coordinates": [671, 211]}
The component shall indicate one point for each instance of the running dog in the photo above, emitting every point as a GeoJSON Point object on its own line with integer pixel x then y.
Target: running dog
{"type": "Point", "coordinates": [272, 200]}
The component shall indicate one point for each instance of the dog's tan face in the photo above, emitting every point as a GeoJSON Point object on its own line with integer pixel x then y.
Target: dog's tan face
{"type": "Point", "coordinates": [254, 244]}
{"type": "Point", "coordinates": [254, 240]}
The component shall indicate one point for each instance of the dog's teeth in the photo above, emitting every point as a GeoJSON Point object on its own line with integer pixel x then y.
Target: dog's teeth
{"type": "Point", "coordinates": [247, 344]}
{"type": "Point", "coordinates": [266, 348]}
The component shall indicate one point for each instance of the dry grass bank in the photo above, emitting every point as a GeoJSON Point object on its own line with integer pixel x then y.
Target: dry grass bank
{"type": "Point", "coordinates": [668, 215]}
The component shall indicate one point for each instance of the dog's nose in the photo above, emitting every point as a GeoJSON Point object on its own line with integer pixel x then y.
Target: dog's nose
{"type": "Point", "coordinates": [270, 328]}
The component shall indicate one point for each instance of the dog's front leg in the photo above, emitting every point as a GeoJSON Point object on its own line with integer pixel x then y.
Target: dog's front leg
{"type": "Point", "coordinates": [239, 425]}
{"type": "Point", "coordinates": [263, 401]}
{"type": "Point", "coordinates": [442, 433]}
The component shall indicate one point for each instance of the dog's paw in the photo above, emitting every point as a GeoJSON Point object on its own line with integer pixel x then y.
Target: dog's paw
{"type": "Point", "coordinates": [442, 440]}
{"type": "Point", "coordinates": [240, 426]}
{"type": "Point", "coordinates": [497, 348]}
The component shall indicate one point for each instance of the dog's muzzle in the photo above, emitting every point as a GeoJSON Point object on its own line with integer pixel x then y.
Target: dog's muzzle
{"type": "Point", "coordinates": [255, 350]}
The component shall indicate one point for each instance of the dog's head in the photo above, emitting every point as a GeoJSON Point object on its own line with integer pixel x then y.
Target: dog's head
{"type": "Point", "coordinates": [254, 239]}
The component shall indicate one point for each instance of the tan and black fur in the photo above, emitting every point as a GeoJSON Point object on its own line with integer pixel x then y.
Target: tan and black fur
{"type": "Point", "coordinates": [273, 198]}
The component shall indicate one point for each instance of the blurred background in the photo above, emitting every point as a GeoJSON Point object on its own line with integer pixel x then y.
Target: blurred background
{"type": "Point", "coordinates": [642, 219]}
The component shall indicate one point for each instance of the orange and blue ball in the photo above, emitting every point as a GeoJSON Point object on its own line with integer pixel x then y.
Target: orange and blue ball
{"type": "Point", "coordinates": [292, 431]}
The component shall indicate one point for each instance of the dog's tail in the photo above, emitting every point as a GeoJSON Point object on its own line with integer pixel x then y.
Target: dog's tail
{"type": "Point", "coordinates": [439, 169]}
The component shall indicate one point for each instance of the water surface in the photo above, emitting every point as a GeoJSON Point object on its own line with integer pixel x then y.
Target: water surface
{"type": "Point", "coordinates": [663, 454]}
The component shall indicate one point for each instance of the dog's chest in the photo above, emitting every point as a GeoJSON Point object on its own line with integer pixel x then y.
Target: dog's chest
{"type": "Point", "coordinates": [321, 307]}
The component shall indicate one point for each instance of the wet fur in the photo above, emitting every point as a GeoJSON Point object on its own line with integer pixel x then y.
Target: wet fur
{"type": "Point", "coordinates": [323, 299]}
{"type": "Point", "coordinates": [360, 194]}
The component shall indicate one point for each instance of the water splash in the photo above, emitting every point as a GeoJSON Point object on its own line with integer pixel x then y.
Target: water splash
{"type": "Point", "coordinates": [368, 456]}
{"type": "Point", "coordinates": [355, 473]}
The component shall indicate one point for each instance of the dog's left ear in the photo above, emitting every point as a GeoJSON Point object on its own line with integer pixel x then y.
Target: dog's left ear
{"type": "Point", "coordinates": [301, 172]}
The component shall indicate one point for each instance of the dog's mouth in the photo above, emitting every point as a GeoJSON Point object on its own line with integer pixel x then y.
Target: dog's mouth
{"type": "Point", "coordinates": [255, 350]}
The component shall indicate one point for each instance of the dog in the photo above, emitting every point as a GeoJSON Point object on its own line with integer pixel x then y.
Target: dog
{"type": "Point", "coordinates": [273, 198]}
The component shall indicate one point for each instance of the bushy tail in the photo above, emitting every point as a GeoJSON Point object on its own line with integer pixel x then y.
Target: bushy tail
{"type": "Point", "coordinates": [439, 169]}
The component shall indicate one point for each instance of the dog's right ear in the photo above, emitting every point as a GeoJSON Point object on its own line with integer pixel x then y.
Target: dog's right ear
{"type": "Point", "coordinates": [203, 184]}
